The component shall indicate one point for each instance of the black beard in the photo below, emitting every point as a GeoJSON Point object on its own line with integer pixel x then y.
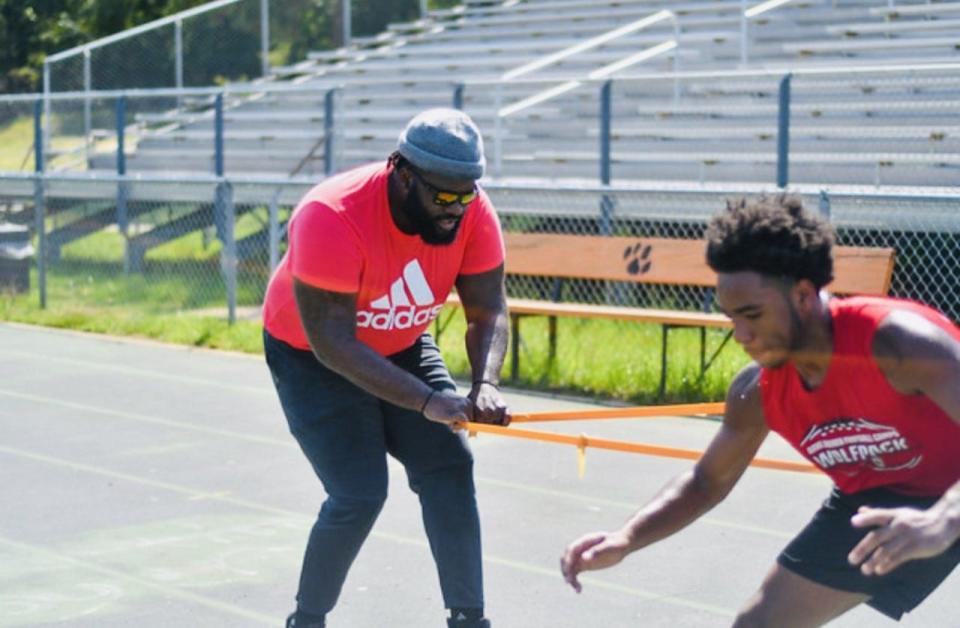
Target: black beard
{"type": "Point", "coordinates": [424, 224]}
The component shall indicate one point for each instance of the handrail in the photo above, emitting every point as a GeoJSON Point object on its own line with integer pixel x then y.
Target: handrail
{"type": "Point", "coordinates": [246, 87]}
{"type": "Point", "coordinates": [570, 51]}
{"type": "Point", "coordinates": [691, 74]}
{"type": "Point", "coordinates": [174, 92]}
{"type": "Point", "coordinates": [177, 20]}
{"type": "Point", "coordinates": [593, 42]}
{"type": "Point", "coordinates": [763, 7]}
{"type": "Point", "coordinates": [747, 14]}
{"type": "Point", "coordinates": [137, 30]}
{"type": "Point", "coordinates": [600, 73]}
{"type": "Point", "coordinates": [919, 9]}
{"type": "Point", "coordinates": [837, 191]}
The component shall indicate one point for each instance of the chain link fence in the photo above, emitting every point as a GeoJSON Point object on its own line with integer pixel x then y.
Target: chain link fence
{"type": "Point", "coordinates": [213, 43]}
{"type": "Point", "coordinates": [219, 43]}
{"type": "Point", "coordinates": [205, 247]}
{"type": "Point", "coordinates": [621, 358]}
{"type": "Point", "coordinates": [153, 247]}
{"type": "Point", "coordinates": [922, 229]}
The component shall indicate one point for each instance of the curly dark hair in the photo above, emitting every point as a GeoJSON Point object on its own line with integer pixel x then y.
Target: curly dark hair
{"type": "Point", "coordinates": [774, 236]}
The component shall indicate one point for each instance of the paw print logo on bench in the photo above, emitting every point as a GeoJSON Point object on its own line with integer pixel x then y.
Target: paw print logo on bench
{"type": "Point", "coordinates": [638, 256]}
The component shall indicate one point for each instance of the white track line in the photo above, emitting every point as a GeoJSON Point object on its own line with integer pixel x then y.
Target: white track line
{"type": "Point", "coordinates": [259, 507]}
{"type": "Point", "coordinates": [175, 592]}
{"type": "Point", "coordinates": [290, 444]}
{"type": "Point", "coordinates": [125, 369]}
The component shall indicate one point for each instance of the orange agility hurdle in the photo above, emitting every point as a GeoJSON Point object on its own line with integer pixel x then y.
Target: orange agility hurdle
{"type": "Point", "coordinates": [583, 441]}
{"type": "Point", "coordinates": [635, 412]}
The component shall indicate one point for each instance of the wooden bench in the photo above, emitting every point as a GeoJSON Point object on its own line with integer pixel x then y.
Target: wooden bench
{"type": "Point", "coordinates": [666, 261]}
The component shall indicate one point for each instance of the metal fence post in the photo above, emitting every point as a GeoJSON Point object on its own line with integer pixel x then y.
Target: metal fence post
{"type": "Point", "coordinates": [607, 205]}
{"type": "Point", "coordinates": [122, 217]}
{"type": "Point", "coordinates": [218, 135]}
{"type": "Point", "coordinates": [329, 110]}
{"type": "Point", "coordinates": [121, 112]}
{"type": "Point", "coordinates": [783, 133]}
{"type": "Point", "coordinates": [223, 214]}
{"type": "Point", "coordinates": [458, 96]}
{"type": "Point", "coordinates": [87, 119]}
{"type": "Point", "coordinates": [45, 140]}
{"type": "Point", "coordinates": [273, 231]}
{"type": "Point", "coordinates": [265, 37]}
{"type": "Point", "coordinates": [744, 33]}
{"type": "Point", "coordinates": [497, 130]}
{"type": "Point", "coordinates": [824, 204]}
{"type": "Point", "coordinates": [225, 217]}
{"type": "Point", "coordinates": [38, 107]}
{"type": "Point", "coordinates": [178, 51]}
{"type": "Point", "coordinates": [676, 59]}
{"type": "Point", "coordinates": [39, 201]}
{"type": "Point", "coordinates": [606, 202]}
{"type": "Point", "coordinates": [178, 58]}
{"type": "Point", "coordinates": [347, 22]}
{"type": "Point", "coordinates": [605, 115]}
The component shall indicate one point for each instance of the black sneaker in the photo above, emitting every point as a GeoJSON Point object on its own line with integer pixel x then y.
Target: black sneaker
{"type": "Point", "coordinates": [454, 622]}
{"type": "Point", "coordinates": [293, 622]}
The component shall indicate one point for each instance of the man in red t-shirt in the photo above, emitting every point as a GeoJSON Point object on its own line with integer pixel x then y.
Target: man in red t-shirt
{"type": "Point", "coordinates": [866, 388]}
{"type": "Point", "coordinates": [373, 254]}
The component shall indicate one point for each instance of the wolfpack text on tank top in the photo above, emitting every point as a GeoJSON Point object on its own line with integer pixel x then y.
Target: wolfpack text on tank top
{"type": "Point", "coordinates": [855, 426]}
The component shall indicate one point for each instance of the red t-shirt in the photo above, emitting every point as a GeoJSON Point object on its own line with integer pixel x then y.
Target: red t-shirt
{"type": "Point", "coordinates": [855, 426]}
{"type": "Point", "coordinates": [342, 238]}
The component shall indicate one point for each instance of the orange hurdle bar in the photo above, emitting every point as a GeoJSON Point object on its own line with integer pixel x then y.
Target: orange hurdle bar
{"type": "Point", "coordinates": [680, 409]}
{"type": "Point", "coordinates": [584, 441]}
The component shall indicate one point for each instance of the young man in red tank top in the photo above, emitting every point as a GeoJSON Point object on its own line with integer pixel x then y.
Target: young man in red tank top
{"type": "Point", "coordinates": [866, 388]}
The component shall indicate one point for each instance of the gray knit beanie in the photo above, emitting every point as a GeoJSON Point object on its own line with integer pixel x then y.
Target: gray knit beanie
{"type": "Point", "coordinates": [445, 142]}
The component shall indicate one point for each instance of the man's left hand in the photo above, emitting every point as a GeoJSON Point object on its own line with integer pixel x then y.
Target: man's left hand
{"type": "Point", "coordinates": [901, 534]}
{"type": "Point", "coordinates": [488, 404]}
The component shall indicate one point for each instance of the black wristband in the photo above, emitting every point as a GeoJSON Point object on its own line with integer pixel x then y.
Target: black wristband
{"type": "Point", "coordinates": [486, 381]}
{"type": "Point", "coordinates": [427, 400]}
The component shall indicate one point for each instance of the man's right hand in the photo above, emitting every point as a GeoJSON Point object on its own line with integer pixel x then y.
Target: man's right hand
{"type": "Point", "coordinates": [597, 550]}
{"type": "Point", "coordinates": [448, 407]}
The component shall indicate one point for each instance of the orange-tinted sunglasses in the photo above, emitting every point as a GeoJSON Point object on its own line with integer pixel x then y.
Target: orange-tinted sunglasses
{"type": "Point", "coordinates": [445, 197]}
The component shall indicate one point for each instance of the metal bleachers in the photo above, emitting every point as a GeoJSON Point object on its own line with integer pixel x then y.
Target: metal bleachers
{"type": "Point", "coordinates": [854, 120]}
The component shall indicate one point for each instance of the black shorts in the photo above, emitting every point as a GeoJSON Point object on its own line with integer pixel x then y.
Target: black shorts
{"type": "Point", "coordinates": [819, 553]}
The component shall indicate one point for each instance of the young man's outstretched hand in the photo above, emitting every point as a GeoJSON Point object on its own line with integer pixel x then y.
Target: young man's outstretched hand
{"type": "Point", "coordinates": [597, 550]}
{"type": "Point", "coordinates": [899, 535]}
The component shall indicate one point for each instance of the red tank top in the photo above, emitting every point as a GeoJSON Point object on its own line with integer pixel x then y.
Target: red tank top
{"type": "Point", "coordinates": [855, 426]}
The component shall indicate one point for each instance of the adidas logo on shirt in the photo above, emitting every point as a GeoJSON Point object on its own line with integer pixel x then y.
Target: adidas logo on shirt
{"type": "Point", "coordinates": [410, 303]}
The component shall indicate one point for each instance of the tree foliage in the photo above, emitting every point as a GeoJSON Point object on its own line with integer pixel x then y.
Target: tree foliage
{"type": "Point", "coordinates": [30, 31]}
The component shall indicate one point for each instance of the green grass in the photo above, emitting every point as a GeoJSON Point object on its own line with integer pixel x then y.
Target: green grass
{"type": "Point", "coordinates": [609, 359]}
{"type": "Point", "coordinates": [180, 298]}
{"type": "Point", "coordinates": [16, 145]}
{"type": "Point", "coordinates": [183, 304]}
{"type": "Point", "coordinates": [600, 358]}
{"type": "Point", "coordinates": [16, 138]}
{"type": "Point", "coordinates": [176, 327]}
{"type": "Point", "coordinates": [107, 245]}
